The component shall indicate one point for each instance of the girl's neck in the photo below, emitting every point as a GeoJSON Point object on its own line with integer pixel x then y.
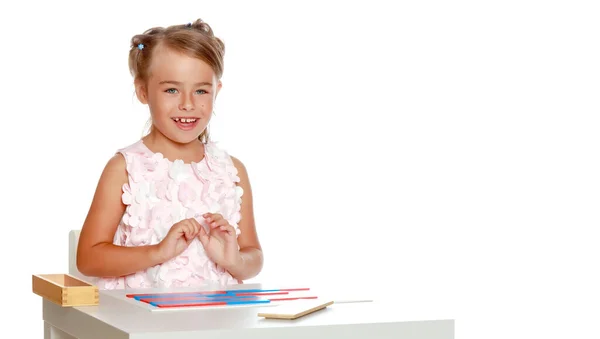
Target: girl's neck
{"type": "Point", "coordinates": [158, 143]}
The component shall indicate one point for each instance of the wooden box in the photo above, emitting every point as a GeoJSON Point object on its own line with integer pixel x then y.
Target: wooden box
{"type": "Point", "coordinates": [65, 290]}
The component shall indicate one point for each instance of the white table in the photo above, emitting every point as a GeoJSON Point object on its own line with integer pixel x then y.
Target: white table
{"type": "Point", "coordinates": [118, 318]}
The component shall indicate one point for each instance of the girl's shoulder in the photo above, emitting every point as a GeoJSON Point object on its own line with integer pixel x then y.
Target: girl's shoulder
{"type": "Point", "coordinates": [136, 148]}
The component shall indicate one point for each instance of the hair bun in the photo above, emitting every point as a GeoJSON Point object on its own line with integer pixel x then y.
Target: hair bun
{"type": "Point", "coordinates": [200, 25]}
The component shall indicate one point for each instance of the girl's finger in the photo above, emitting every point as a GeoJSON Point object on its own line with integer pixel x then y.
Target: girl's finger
{"type": "Point", "coordinates": [210, 217]}
{"type": "Point", "coordinates": [203, 237]}
{"type": "Point", "coordinates": [228, 229]}
{"type": "Point", "coordinates": [219, 224]}
{"type": "Point", "coordinates": [189, 233]}
{"type": "Point", "coordinates": [194, 225]}
{"type": "Point", "coordinates": [181, 230]}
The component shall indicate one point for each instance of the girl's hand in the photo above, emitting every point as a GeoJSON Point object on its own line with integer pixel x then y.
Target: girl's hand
{"type": "Point", "coordinates": [178, 239]}
{"type": "Point", "coordinates": [220, 243]}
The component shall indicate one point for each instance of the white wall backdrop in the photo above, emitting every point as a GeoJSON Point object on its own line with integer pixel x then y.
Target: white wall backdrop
{"type": "Point", "coordinates": [445, 149]}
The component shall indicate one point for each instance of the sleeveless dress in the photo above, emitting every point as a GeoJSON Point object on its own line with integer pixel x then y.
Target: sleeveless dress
{"type": "Point", "coordinates": [160, 193]}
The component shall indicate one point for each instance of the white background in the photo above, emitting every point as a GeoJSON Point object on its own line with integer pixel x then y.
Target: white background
{"type": "Point", "coordinates": [445, 149]}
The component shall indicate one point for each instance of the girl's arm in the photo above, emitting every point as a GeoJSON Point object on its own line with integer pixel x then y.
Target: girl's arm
{"type": "Point", "coordinates": [251, 256]}
{"type": "Point", "coordinates": [97, 256]}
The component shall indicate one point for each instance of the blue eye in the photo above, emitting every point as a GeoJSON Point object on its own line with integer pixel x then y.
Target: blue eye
{"type": "Point", "coordinates": [171, 90]}
{"type": "Point", "coordinates": [201, 90]}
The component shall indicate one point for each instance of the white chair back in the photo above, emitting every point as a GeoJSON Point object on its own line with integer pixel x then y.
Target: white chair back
{"type": "Point", "coordinates": [73, 242]}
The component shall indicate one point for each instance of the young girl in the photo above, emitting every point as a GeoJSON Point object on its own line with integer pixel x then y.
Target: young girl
{"type": "Point", "coordinates": [168, 209]}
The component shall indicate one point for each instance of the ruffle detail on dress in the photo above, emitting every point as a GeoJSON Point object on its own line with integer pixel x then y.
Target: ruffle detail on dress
{"type": "Point", "coordinates": [160, 193]}
{"type": "Point", "coordinates": [221, 192]}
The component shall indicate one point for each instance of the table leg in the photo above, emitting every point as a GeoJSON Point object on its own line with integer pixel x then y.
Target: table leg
{"type": "Point", "coordinates": [51, 332]}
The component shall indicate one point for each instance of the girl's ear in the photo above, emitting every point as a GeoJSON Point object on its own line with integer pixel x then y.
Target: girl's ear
{"type": "Point", "coordinates": [141, 91]}
{"type": "Point", "coordinates": [219, 85]}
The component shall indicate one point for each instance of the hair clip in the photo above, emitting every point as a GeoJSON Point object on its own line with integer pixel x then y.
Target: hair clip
{"type": "Point", "coordinates": [140, 46]}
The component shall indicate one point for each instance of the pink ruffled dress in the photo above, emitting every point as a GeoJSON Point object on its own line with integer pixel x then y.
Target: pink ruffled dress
{"type": "Point", "coordinates": [160, 193]}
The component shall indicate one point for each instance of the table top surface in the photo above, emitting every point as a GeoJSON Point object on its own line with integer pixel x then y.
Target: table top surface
{"type": "Point", "coordinates": [116, 310]}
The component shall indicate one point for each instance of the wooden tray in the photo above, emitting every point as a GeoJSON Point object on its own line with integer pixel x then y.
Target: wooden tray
{"type": "Point", "coordinates": [65, 290]}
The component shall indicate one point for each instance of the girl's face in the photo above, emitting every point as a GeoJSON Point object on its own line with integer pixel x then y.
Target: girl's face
{"type": "Point", "coordinates": [180, 93]}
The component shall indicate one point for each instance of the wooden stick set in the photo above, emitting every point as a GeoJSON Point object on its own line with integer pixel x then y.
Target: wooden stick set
{"type": "Point", "coordinates": [294, 305]}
